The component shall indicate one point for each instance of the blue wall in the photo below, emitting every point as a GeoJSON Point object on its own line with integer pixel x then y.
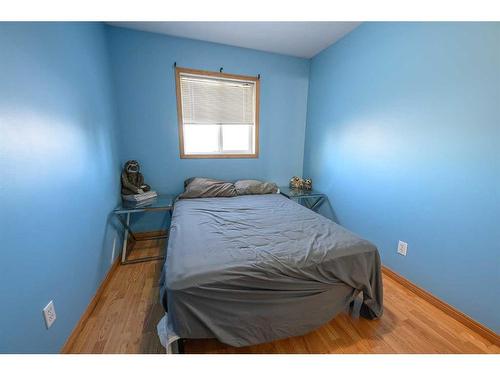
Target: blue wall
{"type": "Point", "coordinates": [403, 133]}
{"type": "Point", "coordinates": [59, 178]}
{"type": "Point", "coordinates": [145, 92]}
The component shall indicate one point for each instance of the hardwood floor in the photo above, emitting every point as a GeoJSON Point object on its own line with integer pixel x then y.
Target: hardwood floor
{"type": "Point", "coordinates": [125, 318]}
{"type": "Point", "coordinates": [124, 321]}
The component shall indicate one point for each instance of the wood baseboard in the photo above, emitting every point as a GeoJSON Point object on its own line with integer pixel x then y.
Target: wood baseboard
{"type": "Point", "coordinates": [66, 349]}
{"type": "Point", "coordinates": [443, 306]}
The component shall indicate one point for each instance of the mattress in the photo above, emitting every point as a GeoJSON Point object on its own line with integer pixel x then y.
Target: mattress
{"type": "Point", "coordinates": [253, 269]}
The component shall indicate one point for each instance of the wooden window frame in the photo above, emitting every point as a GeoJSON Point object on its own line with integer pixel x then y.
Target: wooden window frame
{"type": "Point", "coordinates": [183, 155]}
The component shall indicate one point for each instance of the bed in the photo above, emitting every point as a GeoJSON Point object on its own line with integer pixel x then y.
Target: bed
{"type": "Point", "coordinates": [257, 268]}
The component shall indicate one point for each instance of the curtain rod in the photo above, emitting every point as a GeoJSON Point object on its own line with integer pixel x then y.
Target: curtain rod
{"type": "Point", "coordinates": [220, 69]}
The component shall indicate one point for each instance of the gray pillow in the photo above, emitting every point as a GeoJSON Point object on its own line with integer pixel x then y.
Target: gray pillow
{"type": "Point", "coordinates": [188, 181]}
{"type": "Point", "coordinates": [248, 187]}
{"type": "Point", "coordinates": [200, 187]}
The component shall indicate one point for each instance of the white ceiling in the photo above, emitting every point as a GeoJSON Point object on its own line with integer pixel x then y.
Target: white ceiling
{"type": "Point", "coordinates": [301, 39]}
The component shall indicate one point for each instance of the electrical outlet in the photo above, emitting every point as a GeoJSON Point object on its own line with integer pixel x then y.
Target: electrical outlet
{"type": "Point", "coordinates": [402, 248]}
{"type": "Point", "coordinates": [49, 313]}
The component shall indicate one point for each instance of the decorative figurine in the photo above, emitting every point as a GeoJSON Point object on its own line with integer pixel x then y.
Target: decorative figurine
{"type": "Point", "coordinates": [133, 180]}
{"type": "Point", "coordinates": [295, 182]}
{"type": "Point", "coordinates": [307, 184]}
{"type": "Point", "coordinates": [300, 184]}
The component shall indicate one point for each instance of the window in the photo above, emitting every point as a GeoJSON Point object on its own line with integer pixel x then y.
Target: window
{"type": "Point", "coordinates": [218, 114]}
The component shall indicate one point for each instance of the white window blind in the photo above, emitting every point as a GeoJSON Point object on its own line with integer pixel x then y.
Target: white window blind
{"type": "Point", "coordinates": [218, 115]}
{"type": "Point", "coordinates": [207, 101]}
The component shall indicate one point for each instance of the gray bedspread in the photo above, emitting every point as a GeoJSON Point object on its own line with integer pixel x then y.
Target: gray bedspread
{"type": "Point", "coordinates": [252, 269]}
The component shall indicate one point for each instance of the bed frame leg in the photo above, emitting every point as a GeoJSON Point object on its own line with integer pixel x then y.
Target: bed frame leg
{"type": "Point", "coordinates": [173, 347]}
{"type": "Point", "coordinates": [176, 347]}
{"type": "Point", "coordinates": [180, 346]}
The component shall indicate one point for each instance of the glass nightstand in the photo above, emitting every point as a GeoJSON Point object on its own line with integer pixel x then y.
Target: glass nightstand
{"type": "Point", "coordinates": [311, 199]}
{"type": "Point", "coordinates": [126, 209]}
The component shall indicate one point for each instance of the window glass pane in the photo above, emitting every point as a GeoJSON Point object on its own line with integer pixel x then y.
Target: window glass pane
{"type": "Point", "coordinates": [201, 138]}
{"type": "Point", "coordinates": [237, 138]}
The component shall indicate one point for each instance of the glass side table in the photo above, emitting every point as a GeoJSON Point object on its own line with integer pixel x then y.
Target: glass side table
{"type": "Point", "coordinates": [311, 199]}
{"type": "Point", "coordinates": [126, 209]}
